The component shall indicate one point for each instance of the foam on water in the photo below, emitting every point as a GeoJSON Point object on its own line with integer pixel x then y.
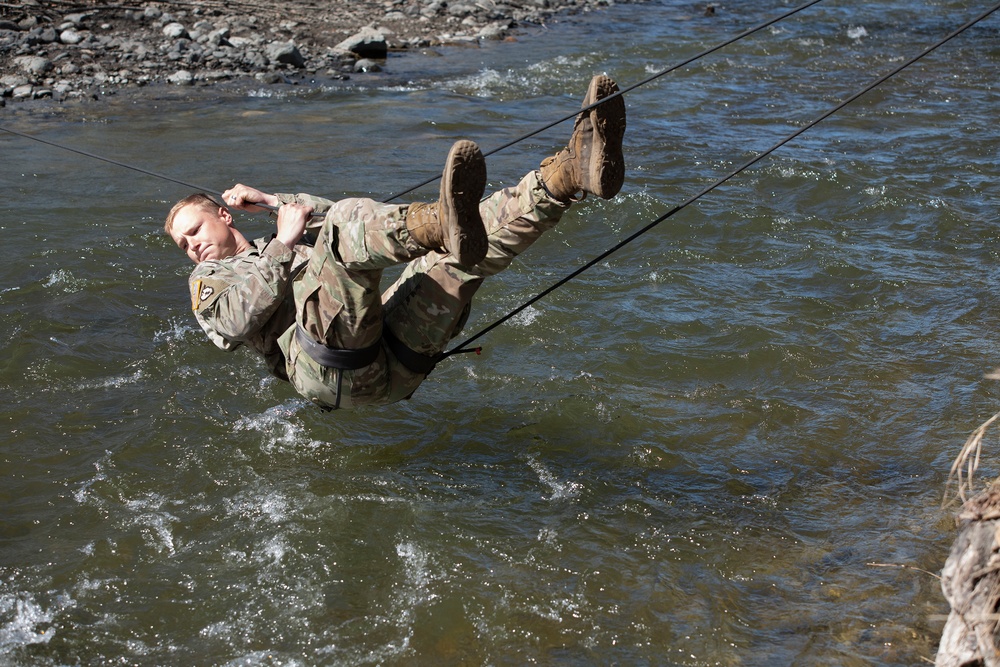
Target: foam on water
{"type": "Point", "coordinates": [857, 32]}
{"type": "Point", "coordinates": [560, 489]}
{"type": "Point", "coordinates": [270, 507]}
{"type": "Point", "coordinates": [179, 329]}
{"type": "Point", "coordinates": [24, 621]}
{"type": "Point", "coordinates": [264, 658]}
{"type": "Point", "coordinates": [155, 526]}
{"type": "Point", "coordinates": [69, 283]}
{"type": "Point", "coordinates": [526, 317]}
{"type": "Point", "coordinates": [279, 423]}
{"type": "Point", "coordinates": [115, 382]}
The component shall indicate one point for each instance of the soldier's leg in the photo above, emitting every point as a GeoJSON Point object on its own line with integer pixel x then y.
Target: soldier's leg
{"type": "Point", "coordinates": [363, 234]}
{"type": "Point", "coordinates": [592, 162]}
{"type": "Point", "coordinates": [335, 352]}
{"type": "Point", "coordinates": [428, 305]}
{"type": "Point", "coordinates": [335, 343]}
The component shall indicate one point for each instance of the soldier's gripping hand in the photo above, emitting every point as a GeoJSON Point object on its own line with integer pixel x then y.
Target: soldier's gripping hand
{"type": "Point", "coordinates": [244, 197]}
{"type": "Point", "coordinates": [292, 219]}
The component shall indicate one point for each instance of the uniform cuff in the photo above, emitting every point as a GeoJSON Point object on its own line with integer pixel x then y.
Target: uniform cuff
{"type": "Point", "coordinates": [278, 251]}
{"type": "Point", "coordinates": [319, 204]}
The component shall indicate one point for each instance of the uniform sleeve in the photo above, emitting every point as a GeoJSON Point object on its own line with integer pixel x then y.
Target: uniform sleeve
{"type": "Point", "coordinates": [319, 204]}
{"type": "Point", "coordinates": [233, 298]}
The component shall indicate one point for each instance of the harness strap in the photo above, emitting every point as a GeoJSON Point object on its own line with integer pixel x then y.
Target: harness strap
{"type": "Point", "coordinates": [349, 360]}
{"type": "Point", "coordinates": [421, 364]}
{"type": "Point", "coordinates": [331, 357]}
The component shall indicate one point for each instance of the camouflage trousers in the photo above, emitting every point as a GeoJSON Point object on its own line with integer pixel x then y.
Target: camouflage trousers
{"type": "Point", "coordinates": [338, 301]}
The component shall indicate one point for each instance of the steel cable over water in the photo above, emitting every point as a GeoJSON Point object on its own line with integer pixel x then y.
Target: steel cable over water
{"type": "Point", "coordinates": [649, 79]}
{"type": "Point", "coordinates": [698, 56]}
{"type": "Point", "coordinates": [461, 348]}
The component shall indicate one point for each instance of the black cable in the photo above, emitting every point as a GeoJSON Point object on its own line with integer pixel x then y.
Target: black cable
{"type": "Point", "coordinates": [688, 61]}
{"type": "Point", "coordinates": [645, 81]}
{"type": "Point", "coordinates": [132, 167]}
{"type": "Point", "coordinates": [749, 163]}
{"type": "Point", "coordinates": [110, 161]}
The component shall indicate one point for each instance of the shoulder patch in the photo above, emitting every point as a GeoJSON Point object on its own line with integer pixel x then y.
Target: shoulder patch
{"type": "Point", "coordinates": [203, 292]}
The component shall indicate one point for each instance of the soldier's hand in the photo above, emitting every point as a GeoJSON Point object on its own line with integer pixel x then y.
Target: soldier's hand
{"type": "Point", "coordinates": [292, 219]}
{"type": "Point", "coordinates": [244, 197]}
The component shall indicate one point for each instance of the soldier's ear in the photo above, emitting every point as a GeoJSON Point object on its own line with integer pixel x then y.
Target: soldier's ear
{"type": "Point", "coordinates": [226, 216]}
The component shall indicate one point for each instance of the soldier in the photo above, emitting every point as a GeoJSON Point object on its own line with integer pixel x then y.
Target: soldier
{"type": "Point", "coordinates": [314, 313]}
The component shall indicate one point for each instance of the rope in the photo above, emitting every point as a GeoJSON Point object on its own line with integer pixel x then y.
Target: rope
{"type": "Point", "coordinates": [125, 165]}
{"type": "Point", "coordinates": [461, 348]}
{"type": "Point", "coordinates": [746, 165]}
{"type": "Point", "coordinates": [110, 161]}
{"type": "Point", "coordinates": [650, 79]}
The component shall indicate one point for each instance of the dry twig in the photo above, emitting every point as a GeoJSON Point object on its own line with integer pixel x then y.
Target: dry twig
{"type": "Point", "coordinates": [968, 460]}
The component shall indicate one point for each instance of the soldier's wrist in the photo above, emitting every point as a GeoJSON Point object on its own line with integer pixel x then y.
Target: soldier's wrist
{"type": "Point", "coordinates": [278, 250]}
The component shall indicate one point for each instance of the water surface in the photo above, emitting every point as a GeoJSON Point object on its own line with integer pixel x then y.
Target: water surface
{"type": "Point", "coordinates": [692, 454]}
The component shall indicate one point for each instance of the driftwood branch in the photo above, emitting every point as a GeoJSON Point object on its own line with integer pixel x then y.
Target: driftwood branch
{"type": "Point", "coordinates": [970, 579]}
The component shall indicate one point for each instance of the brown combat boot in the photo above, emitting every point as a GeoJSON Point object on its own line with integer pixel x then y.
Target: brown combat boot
{"type": "Point", "coordinates": [453, 223]}
{"type": "Point", "coordinates": [592, 162]}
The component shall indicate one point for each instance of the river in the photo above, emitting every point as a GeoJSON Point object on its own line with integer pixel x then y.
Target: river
{"type": "Point", "coordinates": [725, 444]}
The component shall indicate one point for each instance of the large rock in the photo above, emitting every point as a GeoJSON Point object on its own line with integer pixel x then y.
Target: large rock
{"type": "Point", "coordinates": [181, 78]}
{"type": "Point", "coordinates": [175, 31]}
{"type": "Point", "coordinates": [42, 35]}
{"type": "Point", "coordinates": [285, 53]}
{"type": "Point", "coordinates": [71, 36]}
{"type": "Point", "coordinates": [369, 43]}
{"type": "Point", "coordinates": [13, 80]}
{"type": "Point", "coordinates": [34, 65]}
{"type": "Point", "coordinates": [77, 19]}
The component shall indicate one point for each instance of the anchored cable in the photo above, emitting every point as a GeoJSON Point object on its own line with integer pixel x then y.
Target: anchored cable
{"type": "Point", "coordinates": [461, 348]}
{"type": "Point", "coordinates": [119, 164]}
{"type": "Point", "coordinates": [493, 151]}
{"type": "Point", "coordinates": [743, 167]}
{"type": "Point", "coordinates": [647, 80]}
{"type": "Point", "coordinates": [109, 161]}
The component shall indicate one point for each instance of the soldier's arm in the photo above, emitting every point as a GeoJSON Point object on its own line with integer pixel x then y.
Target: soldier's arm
{"type": "Point", "coordinates": [244, 197]}
{"type": "Point", "coordinates": [319, 205]}
{"type": "Point", "coordinates": [233, 298]}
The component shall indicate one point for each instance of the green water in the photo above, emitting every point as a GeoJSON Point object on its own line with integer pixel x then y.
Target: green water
{"type": "Point", "coordinates": [692, 454]}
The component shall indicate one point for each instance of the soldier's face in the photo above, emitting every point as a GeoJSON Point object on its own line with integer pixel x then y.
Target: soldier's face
{"type": "Point", "coordinates": [204, 234]}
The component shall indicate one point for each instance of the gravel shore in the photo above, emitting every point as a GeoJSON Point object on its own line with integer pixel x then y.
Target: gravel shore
{"type": "Point", "coordinates": [62, 50]}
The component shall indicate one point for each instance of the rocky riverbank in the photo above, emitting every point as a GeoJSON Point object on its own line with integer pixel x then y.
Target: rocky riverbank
{"type": "Point", "coordinates": [64, 50]}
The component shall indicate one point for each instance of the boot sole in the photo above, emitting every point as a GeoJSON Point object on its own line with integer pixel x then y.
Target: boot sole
{"type": "Point", "coordinates": [606, 170]}
{"type": "Point", "coordinates": [462, 185]}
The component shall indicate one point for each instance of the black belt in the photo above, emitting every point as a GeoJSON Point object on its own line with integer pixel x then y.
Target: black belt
{"type": "Point", "coordinates": [349, 360]}
{"type": "Point", "coordinates": [331, 357]}
{"type": "Point", "coordinates": [421, 364]}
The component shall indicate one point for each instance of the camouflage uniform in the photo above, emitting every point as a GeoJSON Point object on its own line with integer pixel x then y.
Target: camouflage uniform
{"type": "Point", "coordinates": [276, 300]}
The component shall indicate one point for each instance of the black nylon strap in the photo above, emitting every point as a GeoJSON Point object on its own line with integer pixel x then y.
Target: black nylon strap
{"type": "Point", "coordinates": [330, 357]}
{"type": "Point", "coordinates": [420, 364]}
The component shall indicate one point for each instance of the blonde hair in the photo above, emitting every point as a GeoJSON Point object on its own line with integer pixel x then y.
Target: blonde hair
{"type": "Point", "coordinates": [200, 199]}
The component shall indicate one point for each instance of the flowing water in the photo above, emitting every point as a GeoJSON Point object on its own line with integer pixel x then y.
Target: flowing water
{"type": "Point", "coordinates": [726, 444]}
